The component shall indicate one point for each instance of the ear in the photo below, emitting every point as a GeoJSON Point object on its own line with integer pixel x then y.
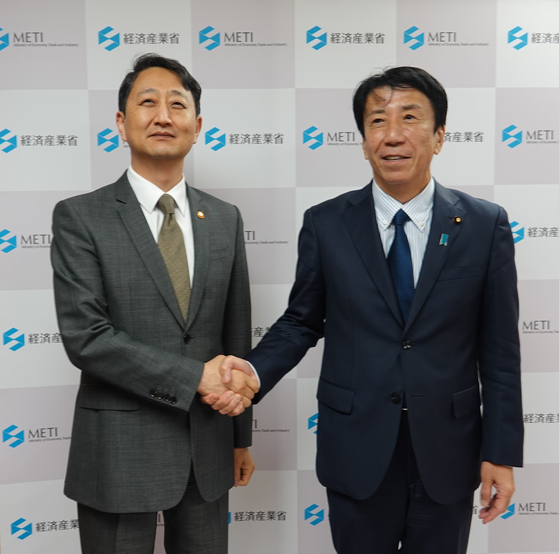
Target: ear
{"type": "Point", "coordinates": [198, 128]}
{"type": "Point", "coordinates": [364, 149]}
{"type": "Point", "coordinates": [120, 125]}
{"type": "Point", "coordinates": [439, 134]}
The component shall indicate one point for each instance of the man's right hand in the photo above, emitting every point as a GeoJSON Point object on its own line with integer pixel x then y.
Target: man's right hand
{"type": "Point", "coordinates": [230, 397]}
{"type": "Point", "coordinates": [234, 372]}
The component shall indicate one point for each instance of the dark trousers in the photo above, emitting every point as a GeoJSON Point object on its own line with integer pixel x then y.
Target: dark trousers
{"type": "Point", "coordinates": [400, 512]}
{"type": "Point", "coordinates": [193, 526]}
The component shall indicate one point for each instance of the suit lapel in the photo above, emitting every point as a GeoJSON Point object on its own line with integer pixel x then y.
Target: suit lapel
{"type": "Point", "coordinates": [444, 211]}
{"type": "Point", "coordinates": [200, 230]}
{"type": "Point", "coordinates": [360, 220]}
{"type": "Point", "coordinates": [134, 221]}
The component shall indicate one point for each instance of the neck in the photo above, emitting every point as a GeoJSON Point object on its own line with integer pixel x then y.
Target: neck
{"type": "Point", "coordinates": [405, 192]}
{"type": "Point", "coordinates": [163, 173]}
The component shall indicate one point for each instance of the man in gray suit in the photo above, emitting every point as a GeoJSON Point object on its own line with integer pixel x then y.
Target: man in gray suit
{"type": "Point", "coordinates": [150, 282]}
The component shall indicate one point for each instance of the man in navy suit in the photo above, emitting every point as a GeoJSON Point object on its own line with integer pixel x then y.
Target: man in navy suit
{"type": "Point", "coordinates": [413, 287]}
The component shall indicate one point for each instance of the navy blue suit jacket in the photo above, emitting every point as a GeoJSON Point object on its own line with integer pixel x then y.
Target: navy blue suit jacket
{"type": "Point", "coordinates": [462, 332]}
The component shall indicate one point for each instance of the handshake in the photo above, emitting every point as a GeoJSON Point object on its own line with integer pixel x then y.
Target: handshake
{"type": "Point", "coordinates": [228, 384]}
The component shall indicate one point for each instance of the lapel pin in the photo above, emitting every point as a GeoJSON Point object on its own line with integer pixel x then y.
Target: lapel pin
{"type": "Point", "coordinates": [444, 240]}
{"type": "Point", "coordinates": [456, 220]}
{"type": "Point", "coordinates": [200, 215]}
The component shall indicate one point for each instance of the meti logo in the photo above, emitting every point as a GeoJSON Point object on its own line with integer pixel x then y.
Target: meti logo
{"type": "Point", "coordinates": [419, 39]}
{"type": "Point", "coordinates": [515, 139]}
{"type": "Point", "coordinates": [12, 141]}
{"type": "Point", "coordinates": [513, 35]}
{"type": "Point", "coordinates": [313, 34]}
{"type": "Point", "coordinates": [220, 140]}
{"type": "Point", "coordinates": [517, 234]}
{"type": "Point", "coordinates": [10, 434]}
{"type": "Point", "coordinates": [113, 40]}
{"type": "Point", "coordinates": [4, 40]}
{"type": "Point", "coordinates": [314, 514]}
{"type": "Point", "coordinates": [308, 136]}
{"type": "Point", "coordinates": [8, 338]}
{"type": "Point", "coordinates": [11, 242]}
{"type": "Point", "coordinates": [509, 512]}
{"type": "Point", "coordinates": [312, 423]}
{"type": "Point", "coordinates": [104, 137]}
{"type": "Point", "coordinates": [214, 40]}
{"type": "Point", "coordinates": [20, 530]}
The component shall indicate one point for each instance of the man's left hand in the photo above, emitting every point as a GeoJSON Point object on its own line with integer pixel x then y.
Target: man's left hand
{"type": "Point", "coordinates": [501, 478]}
{"type": "Point", "coordinates": [244, 467]}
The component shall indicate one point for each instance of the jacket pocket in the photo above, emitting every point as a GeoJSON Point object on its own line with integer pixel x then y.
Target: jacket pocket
{"type": "Point", "coordinates": [219, 251]}
{"type": "Point", "coordinates": [96, 397]}
{"type": "Point", "coordinates": [335, 397]}
{"type": "Point", "coordinates": [448, 273]}
{"type": "Point", "coordinates": [466, 402]}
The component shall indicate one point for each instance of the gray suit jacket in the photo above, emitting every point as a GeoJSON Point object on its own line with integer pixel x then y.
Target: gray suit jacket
{"type": "Point", "coordinates": [139, 424]}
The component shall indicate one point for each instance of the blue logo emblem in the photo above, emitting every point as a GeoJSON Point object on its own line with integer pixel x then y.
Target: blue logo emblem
{"type": "Point", "coordinates": [515, 139]}
{"type": "Point", "coordinates": [514, 36]}
{"type": "Point", "coordinates": [4, 40]}
{"type": "Point", "coordinates": [313, 422]}
{"type": "Point", "coordinates": [318, 138]}
{"type": "Point", "coordinates": [10, 434]}
{"type": "Point", "coordinates": [214, 40]}
{"type": "Point", "coordinates": [12, 141]}
{"type": "Point", "coordinates": [220, 140]}
{"type": "Point", "coordinates": [113, 40]}
{"type": "Point", "coordinates": [314, 514]}
{"type": "Point", "coordinates": [312, 35]}
{"type": "Point", "coordinates": [20, 530]}
{"type": "Point", "coordinates": [8, 338]}
{"type": "Point", "coordinates": [419, 39]}
{"type": "Point", "coordinates": [103, 137]}
{"type": "Point", "coordinates": [11, 243]}
{"type": "Point", "coordinates": [509, 512]}
{"type": "Point", "coordinates": [517, 234]}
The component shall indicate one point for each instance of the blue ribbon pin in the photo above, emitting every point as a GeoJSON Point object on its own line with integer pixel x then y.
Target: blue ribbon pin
{"type": "Point", "coordinates": [444, 240]}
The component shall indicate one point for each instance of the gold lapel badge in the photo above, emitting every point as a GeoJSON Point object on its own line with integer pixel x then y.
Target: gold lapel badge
{"type": "Point", "coordinates": [200, 215]}
{"type": "Point", "coordinates": [456, 220]}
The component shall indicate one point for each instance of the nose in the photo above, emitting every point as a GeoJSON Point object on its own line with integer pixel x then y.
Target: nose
{"type": "Point", "coordinates": [394, 133]}
{"type": "Point", "coordinates": [162, 115]}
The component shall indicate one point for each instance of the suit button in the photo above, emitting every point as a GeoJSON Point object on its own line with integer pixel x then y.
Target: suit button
{"type": "Point", "coordinates": [406, 345]}
{"type": "Point", "coordinates": [152, 393]}
{"type": "Point", "coordinates": [395, 397]}
{"type": "Point", "coordinates": [173, 400]}
{"type": "Point", "coordinates": [186, 339]}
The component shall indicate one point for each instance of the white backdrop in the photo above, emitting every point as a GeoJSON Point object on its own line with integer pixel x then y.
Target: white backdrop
{"type": "Point", "coordinates": [278, 137]}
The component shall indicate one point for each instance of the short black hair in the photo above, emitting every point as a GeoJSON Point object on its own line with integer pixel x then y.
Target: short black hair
{"type": "Point", "coordinates": [397, 78]}
{"type": "Point", "coordinates": [155, 60]}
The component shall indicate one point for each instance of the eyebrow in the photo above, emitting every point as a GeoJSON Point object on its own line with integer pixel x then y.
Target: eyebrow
{"type": "Point", "coordinates": [407, 107]}
{"type": "Point", "coordinates": [154, 90]}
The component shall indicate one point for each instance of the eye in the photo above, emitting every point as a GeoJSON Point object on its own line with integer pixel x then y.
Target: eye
{"type": "Point", "coordinates": [178, 105]}
{"type": "Point", "coordinates": [409, 116]}
{"type": "Point", "coordinates": [147, 101]}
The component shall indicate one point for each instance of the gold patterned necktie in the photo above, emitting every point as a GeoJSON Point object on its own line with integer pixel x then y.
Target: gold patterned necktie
{"type": "Point", "coordinates": [171, 246]}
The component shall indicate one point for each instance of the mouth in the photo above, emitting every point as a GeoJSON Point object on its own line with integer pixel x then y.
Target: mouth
{"type": "Point", "coordinates": [162, 135]}
{"type": "Point", "coordinates": [395, 158]}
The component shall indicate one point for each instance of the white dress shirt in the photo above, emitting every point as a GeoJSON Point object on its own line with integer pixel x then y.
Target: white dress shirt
{"type": "Point", "coordinates": [149, 194]}
{"type": "Point", "coordinates": [420, 212]}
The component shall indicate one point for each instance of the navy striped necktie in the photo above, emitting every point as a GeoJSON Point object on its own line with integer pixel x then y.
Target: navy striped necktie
{"type": "Point", "coordinates": [400, 264]}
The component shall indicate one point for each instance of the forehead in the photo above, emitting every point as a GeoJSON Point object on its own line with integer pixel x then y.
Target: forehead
{"type": "Point", "coordinates": [399, 98]}
{"type": "Point", "coordinates": [159, 79]}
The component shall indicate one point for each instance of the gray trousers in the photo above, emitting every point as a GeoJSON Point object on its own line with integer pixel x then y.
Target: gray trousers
{"type": "Point", "coordinates": [193, 526]}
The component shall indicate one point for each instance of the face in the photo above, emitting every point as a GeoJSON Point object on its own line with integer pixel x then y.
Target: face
{"type": "Point", "coordinates": [160, 121]}
{"type": "Point", "coordinates": [400, 140]}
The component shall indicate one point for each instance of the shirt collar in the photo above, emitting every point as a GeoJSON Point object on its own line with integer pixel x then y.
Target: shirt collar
{"type": "Point", "coordinates": [418, 208]}
{"type": "Point", "coordinates": [149, 194]}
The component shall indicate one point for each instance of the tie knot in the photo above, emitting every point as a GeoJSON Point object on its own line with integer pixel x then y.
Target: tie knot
{"type": "Point", "coordinates": [400, 218]}
{"type": "Point", "coordinates": [166, 204]}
